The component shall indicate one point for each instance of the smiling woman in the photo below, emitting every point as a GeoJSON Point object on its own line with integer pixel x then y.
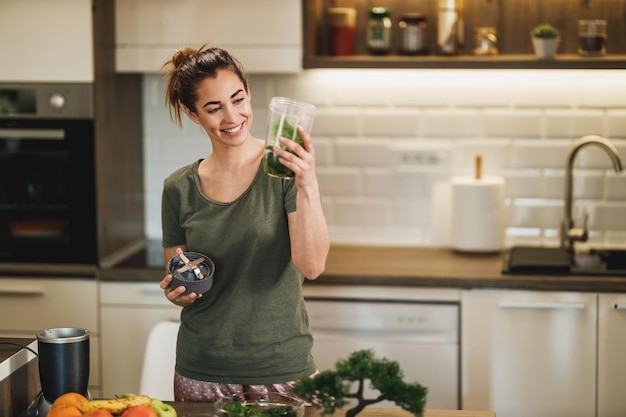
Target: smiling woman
{"type": "Point", "coordinates": [222, 206]}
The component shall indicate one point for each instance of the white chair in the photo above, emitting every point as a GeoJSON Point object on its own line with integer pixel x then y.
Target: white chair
{"type": "Point", "coordinates": [157, 376]}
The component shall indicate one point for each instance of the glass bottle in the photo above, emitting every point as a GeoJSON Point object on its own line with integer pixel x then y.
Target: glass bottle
{"type": "Point", "coordinates": [413, 34]}
{"type": "Point", "coordinates": [379, 31]}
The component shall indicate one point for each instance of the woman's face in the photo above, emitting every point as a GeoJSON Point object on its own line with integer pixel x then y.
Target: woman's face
{"type": "Point", "coordinates": [223, 109]}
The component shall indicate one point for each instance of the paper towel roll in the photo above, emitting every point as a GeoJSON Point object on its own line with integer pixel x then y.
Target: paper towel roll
{"type": "Point", "coordinates": [478, 221]}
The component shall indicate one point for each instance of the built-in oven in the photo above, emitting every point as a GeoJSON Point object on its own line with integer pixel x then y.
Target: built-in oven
{"type": "Point", "coordinates": [47, 174]}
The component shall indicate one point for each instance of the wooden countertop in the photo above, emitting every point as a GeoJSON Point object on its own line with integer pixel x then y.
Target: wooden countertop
{"type": "Point", "coordinates": [409, 266]}
{"type": "Point", "coordinates": [191, 409]}
{"type": "Point", "coordinates": [424, 267]}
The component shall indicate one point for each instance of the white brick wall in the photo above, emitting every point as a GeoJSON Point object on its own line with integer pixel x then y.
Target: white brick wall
{"type": "Point", "coordinates": [385, 137]}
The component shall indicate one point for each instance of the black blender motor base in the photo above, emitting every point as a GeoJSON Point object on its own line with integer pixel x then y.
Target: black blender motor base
{"type": "Point", "coordinates": [39, 406]}
{"type": "Point", "coordinates": [63, 366]}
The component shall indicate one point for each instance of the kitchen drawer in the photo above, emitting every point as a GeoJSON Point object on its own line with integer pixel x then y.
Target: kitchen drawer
{"type": "Point", "coordinates": [133, 293]}
{"type": "Point", "coordinates": [29, 305]}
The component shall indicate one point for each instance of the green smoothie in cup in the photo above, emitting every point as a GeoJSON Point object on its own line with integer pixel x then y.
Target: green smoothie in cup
{"type": "Point", "coordinates": [284, 117]}
{"type": "Point", "coordinates": [271, 164]}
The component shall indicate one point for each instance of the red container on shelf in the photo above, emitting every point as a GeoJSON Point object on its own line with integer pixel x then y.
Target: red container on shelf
{"type": "Point", "coordinates": [342, 30]}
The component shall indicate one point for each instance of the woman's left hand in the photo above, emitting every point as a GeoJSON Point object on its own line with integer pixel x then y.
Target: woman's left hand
{"type": "Point", "coordinates": [301, 159]}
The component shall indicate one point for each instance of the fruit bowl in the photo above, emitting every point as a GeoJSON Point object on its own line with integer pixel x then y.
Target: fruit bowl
{"type": "Point", "coordinates": [256, 404]}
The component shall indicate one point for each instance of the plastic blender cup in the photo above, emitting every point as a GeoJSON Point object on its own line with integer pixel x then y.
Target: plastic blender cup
{"type": "Point", "coordinates": [284, 117]}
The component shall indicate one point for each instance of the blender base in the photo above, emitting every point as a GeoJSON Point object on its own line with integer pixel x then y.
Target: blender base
{"type": "Point", "coordinates": [39, 406]}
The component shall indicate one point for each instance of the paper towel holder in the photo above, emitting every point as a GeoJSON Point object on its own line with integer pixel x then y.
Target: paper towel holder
{"type": "Point", "coordinates": [478, 215]}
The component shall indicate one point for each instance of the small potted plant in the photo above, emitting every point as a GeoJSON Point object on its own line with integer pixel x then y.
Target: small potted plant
{"type": "Point", "coordinates": [545, 39]}
{"type": "Point", "coordinates": [331, 390]}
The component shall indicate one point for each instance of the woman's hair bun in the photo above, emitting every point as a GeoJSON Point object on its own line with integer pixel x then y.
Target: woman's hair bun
{"type": "Point", "coordinates": [183, 55]}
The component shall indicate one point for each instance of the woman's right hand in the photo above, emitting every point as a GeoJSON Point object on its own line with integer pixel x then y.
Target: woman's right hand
{"type": "Point", "coordinates": [176, 295]}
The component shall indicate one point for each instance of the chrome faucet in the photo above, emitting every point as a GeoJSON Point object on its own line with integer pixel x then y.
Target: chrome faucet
{"type": "Point", "coordinates": [570, 234]}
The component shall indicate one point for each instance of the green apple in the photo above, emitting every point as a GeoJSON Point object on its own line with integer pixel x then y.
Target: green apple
{"type": "Point", "coordinates": [162, 409]}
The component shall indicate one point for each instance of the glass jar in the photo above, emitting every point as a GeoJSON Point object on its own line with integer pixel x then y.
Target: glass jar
{"type": "Point", "coordinates": [379, 31]}
{"type": "Point", "coordinates": [342, 28]}
{"type": "Point", "coordinates": [413, 34]}
{"type": "Point", "coordinates": [592, 37]}
{"type": "Point", "coordinates": [485, 41]}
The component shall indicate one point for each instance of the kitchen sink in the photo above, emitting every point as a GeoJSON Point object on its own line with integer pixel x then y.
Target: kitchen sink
{"type": "Point", "coordinates": [537, 260]}
{"type": "Point", "coordinates": [600, 262]}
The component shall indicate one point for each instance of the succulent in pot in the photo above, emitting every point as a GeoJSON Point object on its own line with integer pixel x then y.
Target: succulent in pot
{"type": "Point", "coordinates": [545, 31]}
{"type": "Point", "coordinates": [545, 39]}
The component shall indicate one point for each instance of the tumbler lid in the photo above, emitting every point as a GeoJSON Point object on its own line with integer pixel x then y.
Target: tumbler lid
{"type": "Point", "coordinates": [63, 335]}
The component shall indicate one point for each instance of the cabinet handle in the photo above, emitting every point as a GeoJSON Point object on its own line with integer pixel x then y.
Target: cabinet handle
{"type": "Point", "coordinates": [539, 304]}
{"type": "Point", "coordinates": [23, 291]}
{"type": "Point", "coordinates": [56, 134]}
{"type": "Point", "coordinates": [152, 291]}
{"type": "Point", "coordinates": [619, 306]}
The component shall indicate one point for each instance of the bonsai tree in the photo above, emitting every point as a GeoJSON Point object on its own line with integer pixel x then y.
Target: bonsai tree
{"type": "Point", "coordinates": [544, 31]}
{"type": "Point", "coordinates": [330, 389]}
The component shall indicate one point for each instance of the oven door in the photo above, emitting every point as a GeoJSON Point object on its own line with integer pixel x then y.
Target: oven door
{"type": "Point", "coordinates": [47, 191]}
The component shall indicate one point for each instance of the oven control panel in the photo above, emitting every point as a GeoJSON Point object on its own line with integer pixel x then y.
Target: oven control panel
{"type": "Point", "coordinates": [46, 101]}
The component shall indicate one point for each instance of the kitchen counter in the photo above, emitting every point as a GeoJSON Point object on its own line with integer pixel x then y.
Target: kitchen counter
{"type": "Point", "coordinates": [19, 375]}
{"type": "Point", "coordinates": [191, 409]}
{"type": "Point", "coordinates": [397, 266]}
{"type": "Point", "coordinates": [197, 409]}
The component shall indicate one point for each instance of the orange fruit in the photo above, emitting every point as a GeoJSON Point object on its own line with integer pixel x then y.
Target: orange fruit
{"type": "Point", "coordinates": [73, 399]}
{"type": "Point", "coordinates": [65, 411]}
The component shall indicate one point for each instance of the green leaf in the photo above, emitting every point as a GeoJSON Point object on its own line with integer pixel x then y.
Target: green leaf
{"type": "Point", "coordinates": [285, 129]}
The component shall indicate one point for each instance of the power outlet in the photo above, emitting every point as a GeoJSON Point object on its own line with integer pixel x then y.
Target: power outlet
{"type": "Point", "coordinates": [422, 157]}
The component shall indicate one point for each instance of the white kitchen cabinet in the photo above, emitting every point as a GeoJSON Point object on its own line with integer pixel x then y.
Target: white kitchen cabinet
{"type": "Point", "coordinates": [30, 305]}
{"type": "Point", "coordinates": [46, 41]}
{"type": "Point", "coordinates": [529, 353]}
{"type": "Point", "coordinates": [265, 35]}
{"type": "Point", "coordinates": [129, 310]}
{"type": "Point", "coordinates": [611, 360]}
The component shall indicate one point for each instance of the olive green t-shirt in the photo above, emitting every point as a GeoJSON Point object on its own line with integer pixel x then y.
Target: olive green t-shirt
{"type": "Point", "coordinates": [251, 327]}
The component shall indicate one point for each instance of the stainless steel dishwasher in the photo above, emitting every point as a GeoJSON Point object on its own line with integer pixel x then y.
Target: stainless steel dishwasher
{"type": "Point", "coordinates": [417, 328]}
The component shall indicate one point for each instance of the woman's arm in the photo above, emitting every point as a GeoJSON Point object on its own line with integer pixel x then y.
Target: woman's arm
{"type": "Point", "coordinates": [308, 230]}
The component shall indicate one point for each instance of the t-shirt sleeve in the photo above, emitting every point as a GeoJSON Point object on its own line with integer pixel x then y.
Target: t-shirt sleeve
{"type": "Point", "coordinates": [173, 233]}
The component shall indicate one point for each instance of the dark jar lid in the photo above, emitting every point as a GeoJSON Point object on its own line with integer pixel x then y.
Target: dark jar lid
{"type": "Point", "coordinates": [413, 17]}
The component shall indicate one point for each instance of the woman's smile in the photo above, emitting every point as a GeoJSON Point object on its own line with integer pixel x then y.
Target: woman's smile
{"type": "Point", "coordinates": [234, 130]}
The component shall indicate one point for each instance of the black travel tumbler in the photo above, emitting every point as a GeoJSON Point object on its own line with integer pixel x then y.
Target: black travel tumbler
{"type": "Point", "coordinates": [63, 361]}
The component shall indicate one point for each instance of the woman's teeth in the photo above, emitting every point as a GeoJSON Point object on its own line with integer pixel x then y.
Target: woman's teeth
{"type": "Point", "coordinates": [234, 129]}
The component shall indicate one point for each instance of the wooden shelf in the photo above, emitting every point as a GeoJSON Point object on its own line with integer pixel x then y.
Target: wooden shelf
{"type": "Point", "coordinates": [513, 21]}
{"type": "Point", "coordinates": [505, 61]}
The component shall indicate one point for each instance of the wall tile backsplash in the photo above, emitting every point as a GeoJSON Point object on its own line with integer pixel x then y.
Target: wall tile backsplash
{"type": "Point", "coordinates": [385, 138]}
